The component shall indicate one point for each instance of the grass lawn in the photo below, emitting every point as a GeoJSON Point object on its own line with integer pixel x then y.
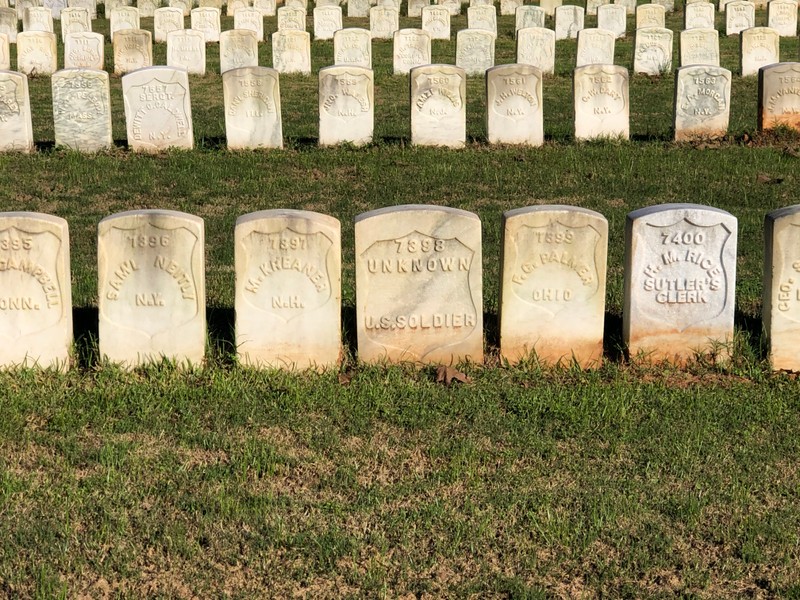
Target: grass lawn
{"type": "Point", "coordinates": [379, 481]}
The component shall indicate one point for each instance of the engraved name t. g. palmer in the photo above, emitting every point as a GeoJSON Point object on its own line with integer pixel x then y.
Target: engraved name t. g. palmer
{"type": "Point", "coordinates": [418, 280]}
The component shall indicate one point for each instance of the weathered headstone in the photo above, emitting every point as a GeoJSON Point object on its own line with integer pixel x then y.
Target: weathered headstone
{"type": "Point", "coordinates": [436, 21]}
{"type": "Point", "coordinates": [22, 5]}
{"type": "Point", "coordinates": [327, 21]}
{"type": "Point", "coordinates": [125, 17]}
{"type": "Point", "coordinates": [653, 51]}
{"type": "Point", "coordinates": [165, 20]}
{"type": "Point", "coordinates": [186, 49]}
{"type": "Point", "coordinates": [158, 111]}
{"type": "Point", "coordinates": [595, 47]}
{"type": "Point", "coordinates": [353, 47]}
{"type": "Point", "coordinates": [301, 4]}
{"type": "Point", "coordinates": [782, 17]}
{"type": "Point", "coordinates": [251, 19]}
{"type": "Point", "coordinates": [680, 274]}
{"type": "Point", "coordinates": [237, 48]}
{"type": "Point", "coordinates": [438, 106]}
{"type": "Point", "coordinates": [55, 7]}
{"type": "Point", "coordinates": [151, 287]}
{"type": "Point", "coordinates": [569, 21]}
{"type": "Point", "coordinates": [475, 51]}
{"type": "Point", "coordinates": [508, 8]}
{"type": "Point", "coordinates": [133, 49]}
{"type": "Point", "coordinates": [82, 109]}
{"type": "Point", "coordinates": [553, 282]}
{"type": "Point", "coordinates": [147, 8]}
{"type": "Point", "coordinates": [210, 4]}
{"type": "Point", "coordinates": [288, 289]}
{"type": "Point", "coordinates": [90, 5]}
{"type": "Point", "coordinates": [601, 102]}
{"type": "Point", "coordinates": [8, 24]}
{"type": "Point", "coordinates": [383, 22]}
{"type": "Point", "coordinates": [185, 6]}
{"type": "Point", "coordinates": [537, 46]}
{"type": "Point", "coordinates": [16, 129]}
{"type": "Point", "coordinates": [267, 7]}
{"type": "Point", "coordinates": [206, 21]}
{"type": "Point", "coordinates": [514, 105]}
{"type": "Point", "coordinates": [781, 303]}
{"type": "Point", "coordinates": [111, 5]}
{"type": "Point", "coordinates": [358, 8]}
{"type": "Point", "coordinates": [415, 7]}
{"type": "Point", "coordinates": [291, 51]}
{"type": "Point", "coordinates": [346, 105]}
{"type": "Point", "coordinates": [529, 16]}
{"type": "Point", "coordinates": [630, 5]}
{"type": "Point", "coordinates": [739, 15]}
{"type": "Point", "coordinates": [412, 48]}
{"type": "Point", "coordinates": [418, 285]}
{"type": "Point", "coordinates": [232, 6]}
{"type": "Point", "coordinates": [36, 53]}
{"type": "Point", "coordinates": [702, 102]}
{"type": "Point", "coordinates": [37, 18]}
{"type": "Point", "coordinates": [252, 108]}
{"type": "Point", "coordinates": [291, 19]}
{"type": "Point", "coordinates": [758, 47]}
{"type": "Point", "coordinates": [453, 6]}
{"type": "Point", "coordinates": [699, 47]}
{"type": "Point", "coordinates": [779, 96]}
{"type": "Point", "coordinates": [549, 6]}
{"type": "Point", "coordinates": [84, 51]}
{"type": "Point", "coordinates": [699, 15]}
{"type": "Point", "coordinates": [5, 53]}
{"type": "Point", "coordinates": [75, 20]}
{"type": "Point", "coordinates": [650, 15]}
{"type": "Point", "coordinates": [593, 5]}
{"type": "Point", "coordinates": [36, 306]}
{"type": "Point", "coordinates": [612, 17]}
{"type": "Point", "coordinates": [482, 17]}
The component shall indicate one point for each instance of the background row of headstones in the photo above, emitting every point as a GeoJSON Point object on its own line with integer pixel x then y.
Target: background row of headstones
{"type": "Point", "coordinates": [418, 286]}
{"type": "Point", "coordinates": [158, 110]}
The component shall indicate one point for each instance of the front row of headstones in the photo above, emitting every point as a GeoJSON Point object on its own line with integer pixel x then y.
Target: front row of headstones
{"type": "Point", "coordinates": [418, 286]}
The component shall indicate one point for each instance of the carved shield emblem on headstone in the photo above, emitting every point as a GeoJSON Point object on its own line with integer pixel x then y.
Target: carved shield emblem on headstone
{"type": "Point", "coordinates": [686, 283]}
{"type": "Point", "coordinates": [555, 266]}
{"type": "Point", "coordinates": [346, 95]}
{"type": "Point", "coordinates": [418, 296]}
{"type": "Point", "coordinates": [164, 107]}
{"type": "Point", "coordinates": [286, 273]}
{"type": "Point", "coordinates": [31, 298]}
{"type": "Point", "coordinates": [149, 284]}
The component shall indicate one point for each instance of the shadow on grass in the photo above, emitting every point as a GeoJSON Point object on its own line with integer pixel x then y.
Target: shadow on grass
{"type": "Point", "coordinates": [613, 343]}
{"type": "Point", "coordinates": [751, 328]}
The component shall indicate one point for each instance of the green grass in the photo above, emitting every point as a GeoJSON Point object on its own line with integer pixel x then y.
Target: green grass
{"type": "Point", "coordinates": [375, 481]}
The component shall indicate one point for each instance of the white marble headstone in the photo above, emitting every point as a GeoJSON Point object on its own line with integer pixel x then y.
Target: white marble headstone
{"type": "Point", "coordinates": [528, 16]}
{"type": "Point", "coordinates": [75, 20]}
{"type": "Point", "coordinates": [699, 15]}
{"type": "Point", "coordinates": [186, 49]}
{"type": "Point", "coordinates": [412, 48]}
{"type": "Point", "coordinates": [22, 5]}
{"type": "Point", "coordinates": [237, 48]}
{"type": "Point", "coordinates": [508, 8]}
{"type": "Point", "coordinates": [699, 47]}
{"type": "Point", "coordinates": [650, 15]}
{"type": "Point", "coordinates": [438, 106]}
{"type": "Point", "coordinates": [537, 46]}
{"type": "Point", "coordinates": [291, 51]}
{"type": "Point", "coordinates": [482, 17]}
{"type": "Point", "coordinates": [593, 5]}
{"type": "Point", "coordinates": [415, 8]}
{"type": "Point", "coordinates": [779, 96]}
{"type": "Point", "coordinates": [38, 18]}
{"type": "Point", "coordinates": [327, 21]}
{"type": "Point", "coordinates": [251, 19]}
{"type": "Point", "coordinates": [758, 47]}
{"type": "Point", "coordinates": [353, 47]}
{"type": "Point", "coordinates": [680, 280]}
{"type": "Point", "coordinates": [82, 109]}
{"type": "Point", "coordinates": [614, 18]}
{"type": "Point", "coordinates": [5, 53]}
{"type": "Point", "coordinates": [653, 51]}
{"type": "Point", "coordinates": [290, 18]}
{"type": "Point", "coordinates": [158, 111]}
{"type": "Point", "coordinates": [702, 102]}
{"type": "Point", "coordinates": [36, 305]}
{"type": "Point", "coordinates": [418, 285]}
{"type": "Point", "coordinates": [288, 289]}
{"type": "Point", "coordinates": [8, 24]}
{"type": "Point", "coordinates": [124, 17]}
{"type": "Point", "coordinates": [165, 20]}
{"type": "Point", "coordinates": [133, 49]}
{"type": "Point", "coordinates": [151, 287]}
{"type": "Point", "coordinates": [782, 17]}
{"type": "Point", "coordinates": [514, 105]}
{"type": "Point", "coordinates": [436, 21]}
{"type": "Point", "coordinates": [568, 21]}
{"type": "Point", "coordinates": [630, 5]}
{"type": "Point", "coordinates": [185, 6]}
{"type": "Point", "coordinates": [252, 108]}
{"type": "Point", "coordinates": [453, 6]}
{"type": "Point", "coordinates": [36, 53]}
{"type": "Point", "coordinates": [601, 102]}
{"type": "Point", "coordinates": [739, 15]}
{"type": "Point", "coordinates": [358, 9]}
{"type": "Point", "coordinates": [595, 47]}
{"type": "Point", "coordinates": [147, 8]}
{"type": "Point", "coordinates": [475, 51]}
{"type": "Point", "coordinates": [207, 21]}
{"type": "Point", "coordinates": [553, 282]}
{"type": "Point", "coordinates": [16, 129]}
{"type": "Point", "coordinates": [383, 22]}
{"type": "Point", "coordinates": [346, 105]}
{"type": "Point", "coordinates": [549, 6]}
{"type": "Point", "coordinates": [90, 5]}
{"type": "Point", "coordinates": [235, 5]}
{"type": "Point", "coordinates": [267, 7]}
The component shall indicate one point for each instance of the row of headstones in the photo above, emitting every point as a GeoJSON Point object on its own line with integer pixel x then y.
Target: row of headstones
{"type": "Point", "coordinates": [418, 286]}
{"type": "Point", "coordinates": [158, 108]}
